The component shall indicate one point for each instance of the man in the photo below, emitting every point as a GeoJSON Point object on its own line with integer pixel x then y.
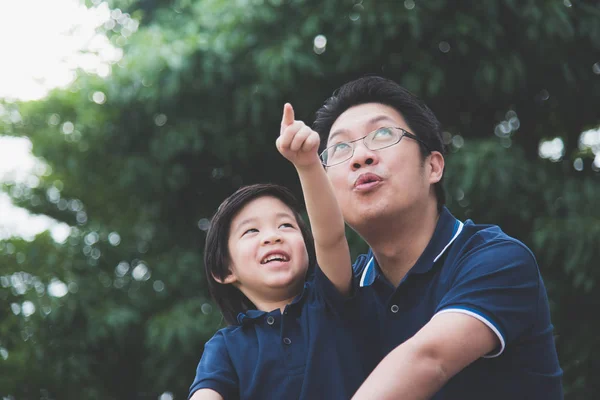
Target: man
{"type": "Point", "coordinates": [464, 310]}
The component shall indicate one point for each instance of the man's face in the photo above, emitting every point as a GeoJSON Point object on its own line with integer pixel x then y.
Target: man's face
{"type": "Point", "coordinates": [377, 185]}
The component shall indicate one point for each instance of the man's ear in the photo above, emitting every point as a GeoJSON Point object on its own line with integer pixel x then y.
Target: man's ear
{"type": "Point", "coordinates": [229, 279]}
{"type": "Point", "coordinates": [436, 167]}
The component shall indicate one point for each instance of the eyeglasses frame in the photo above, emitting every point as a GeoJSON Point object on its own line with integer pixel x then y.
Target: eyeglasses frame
{"type": "Point", "coordinates": [404, 133]}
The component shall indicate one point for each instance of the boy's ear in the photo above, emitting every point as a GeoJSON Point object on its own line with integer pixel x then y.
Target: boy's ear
{"type": "Point", "coordinates": [231, 278]}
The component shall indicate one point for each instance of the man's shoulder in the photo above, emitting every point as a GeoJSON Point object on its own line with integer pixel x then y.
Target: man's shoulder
{"type": "Point", "coordinates": [487, 250]}
{"type": "Point", "coordinates": [480, 239]}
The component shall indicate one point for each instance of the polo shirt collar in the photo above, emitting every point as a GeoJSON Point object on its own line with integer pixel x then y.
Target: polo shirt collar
{"type": "Point", "coordinates": [250, 316]}
{"type": "Point", "coordinates": [253, 316]}
{"type": "Point", "coordinates": [446, 231]}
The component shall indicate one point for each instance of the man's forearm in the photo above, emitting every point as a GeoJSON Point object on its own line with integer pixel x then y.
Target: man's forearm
{"type": "Point", "coordinates": [407, 373]}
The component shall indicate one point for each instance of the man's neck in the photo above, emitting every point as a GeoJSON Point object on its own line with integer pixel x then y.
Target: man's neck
{"type": "Point", "coordinates": [397, 243]}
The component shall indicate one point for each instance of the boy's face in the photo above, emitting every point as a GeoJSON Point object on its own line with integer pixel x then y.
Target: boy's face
{"type": "Point", "coordinates": [267, 252]}
{"type": "Point", "coordinates": [375, 185]}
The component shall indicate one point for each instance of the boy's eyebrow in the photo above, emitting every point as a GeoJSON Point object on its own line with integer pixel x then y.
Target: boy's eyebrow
{"type": "Point", "coordinates": [285, 214]}
{"type": "Point", "coordinates": [372, 121]}
{"type": "Point", "coordinates": [252, 219]}
{"type": "Point", "coordinates": [243, 222]}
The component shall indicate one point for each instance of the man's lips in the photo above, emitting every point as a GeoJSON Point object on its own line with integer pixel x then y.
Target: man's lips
{"type": "Point", "coordinates": [366, 181]}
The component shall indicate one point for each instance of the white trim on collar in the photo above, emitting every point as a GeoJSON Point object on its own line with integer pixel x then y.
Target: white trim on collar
{"type": "Point", "coordinates": [371, 263]}
{"type": "Point", "coordinates": [365, 271]}
{"type": "Point", "coordinates": [458, 230]}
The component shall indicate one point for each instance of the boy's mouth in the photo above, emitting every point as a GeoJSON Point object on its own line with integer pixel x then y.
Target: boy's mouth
{"type": "Point", "coordinates": [275, 256]}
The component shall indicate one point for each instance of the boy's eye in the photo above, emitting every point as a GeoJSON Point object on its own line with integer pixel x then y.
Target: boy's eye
{"type": "Point", "coordinates": [251, 230]}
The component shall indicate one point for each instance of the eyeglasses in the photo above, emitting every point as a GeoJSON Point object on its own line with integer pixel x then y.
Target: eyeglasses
{"type": "Point", "coordinates": [376, 140]}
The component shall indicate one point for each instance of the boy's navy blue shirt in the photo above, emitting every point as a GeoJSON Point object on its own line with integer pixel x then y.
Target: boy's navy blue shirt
{"type": "Point", "coordinates": [321, 347]}
{"type": "Point", "coordinates": [480, 271]}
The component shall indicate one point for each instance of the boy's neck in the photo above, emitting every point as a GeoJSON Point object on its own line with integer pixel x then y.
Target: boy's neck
{"type": "Point", "coordinates": [274, 299]}
{"type": "Point", "coordinates": [268, 306]}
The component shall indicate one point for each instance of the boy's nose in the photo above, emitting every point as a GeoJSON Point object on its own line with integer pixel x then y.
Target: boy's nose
{"type": "Point", "coordinates": [271, 238]}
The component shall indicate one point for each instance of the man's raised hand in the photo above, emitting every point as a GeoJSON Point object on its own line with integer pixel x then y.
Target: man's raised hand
{"type": "Point", "coordinates": [297, 142]}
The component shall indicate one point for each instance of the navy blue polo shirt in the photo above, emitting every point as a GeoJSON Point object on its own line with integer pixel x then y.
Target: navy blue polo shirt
{"type": "Point", "coordinates": [480, 271]}
{"type": "Point", "coordinates": [321, 347]}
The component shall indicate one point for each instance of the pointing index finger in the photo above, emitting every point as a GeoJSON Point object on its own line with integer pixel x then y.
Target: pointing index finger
{"type": "Point", "coordinates": [288, 115]}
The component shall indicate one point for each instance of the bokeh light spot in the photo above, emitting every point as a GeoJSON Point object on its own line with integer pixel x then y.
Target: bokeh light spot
{"type": "Point", "coordinates": [57, 288]}
{"type": "Point", "coordinates": [444, 47]}
{"type": "Point", "coordinates": [141, 272]}
{"type": "Point", "coordinates": [15, 308]}
{"type": "Point", "coordinates": [206, 308]}
{"type": "Point", "coordinates": [122, 268]}
{"type": "Point", "coordinates": [60, 232]}
{"type": "Point", "coordinates": [160, 119]}
{"type": "Point", "coordinates": [28, 308]}
{"type": "Point", "coordinates": [166, 396]}
{"type": "Point", "coordinates": [73, 287]}
{"type": "Point", "coordinates": [204, 224]}
{"type": "Point", "coordinates": [54, 119]}
{"type": "Point", "coordinates": [68, 128]}
{"type": "Point", "coordinates": [319, 44]}
{"type": "Point", "coordinates": [91, 238]}
{"type": "Point", "coordinates": [158, 286]}
{"type": "Point", "coordinates": [553, 149]}
{"type": "Point", "coordinates": [458, 141]}
{"type": "Point", "coordinates": [114, 238]}
{"type": "Point", "coordinates": [596, 163]}
{"type": "Point", "coordinates": [99, 98]}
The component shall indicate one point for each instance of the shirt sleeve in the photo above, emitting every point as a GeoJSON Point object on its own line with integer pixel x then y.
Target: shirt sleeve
{"type": "Point", "coordinates": [498, 283]}
{"type": "Point", "coordinates": [327, 290]}
{"type": "Point", "coordinates": [215, 370]}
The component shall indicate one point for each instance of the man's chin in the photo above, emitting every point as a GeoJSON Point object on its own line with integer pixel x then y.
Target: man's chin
{"type": "Point", "coordinates": [364, 213]}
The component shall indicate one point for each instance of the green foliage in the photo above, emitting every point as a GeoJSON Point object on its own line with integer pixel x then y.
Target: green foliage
{"type": "Point", "coordinates": [191, 113]}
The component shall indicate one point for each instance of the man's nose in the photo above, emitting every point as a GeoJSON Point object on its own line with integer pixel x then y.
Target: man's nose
{"type": "Point", "coordinates": [362, 156]}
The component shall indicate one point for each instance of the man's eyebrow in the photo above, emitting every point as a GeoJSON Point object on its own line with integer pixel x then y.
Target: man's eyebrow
{"type": "Point", "coordinates": [336, 132]}
{"type": "Point", "coordinates": [372, 121]}
{"type": "Point", "coordinates": [380, 118]}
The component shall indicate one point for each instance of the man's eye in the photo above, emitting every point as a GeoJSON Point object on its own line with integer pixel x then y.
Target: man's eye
{"type": "Point", "coordinates": [382, 134]}
{"type": "Point", "coordinates": [339, 147]}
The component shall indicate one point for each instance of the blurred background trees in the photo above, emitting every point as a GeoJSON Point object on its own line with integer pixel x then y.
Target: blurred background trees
{"type": "Point", "coordinates": [137, 163]}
